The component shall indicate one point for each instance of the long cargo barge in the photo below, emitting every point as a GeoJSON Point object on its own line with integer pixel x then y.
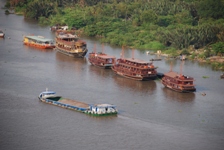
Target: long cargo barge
{"type": "Point", "coordinates": [50, 97]}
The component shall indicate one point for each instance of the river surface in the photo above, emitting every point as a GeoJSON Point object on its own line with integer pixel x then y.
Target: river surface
{"type": "Point", "coordinates": [150, 116]}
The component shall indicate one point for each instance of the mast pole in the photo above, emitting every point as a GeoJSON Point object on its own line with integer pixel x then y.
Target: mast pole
{"type": "Point", "coordinates": [133, 54]}
{"type": "Point", "coordinates": [171, 66]}
{"type": "Point", "coordinates": [94, 49]}
{"type": "Point", "coordinates": [122, 52]}
{"type": "Point", "coordinates": [103, 48]}
{"type": "Point", "coordinates": [181, 67]}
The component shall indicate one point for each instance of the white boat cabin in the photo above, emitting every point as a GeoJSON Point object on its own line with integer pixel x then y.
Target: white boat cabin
{"type": "Point", "coordinates": [47, 94]}
{"type": "Point", "coordinates": [102, 108]}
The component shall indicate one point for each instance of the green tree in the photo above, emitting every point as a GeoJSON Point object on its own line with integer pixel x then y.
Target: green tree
{"type": "Point", "coordinates": [211, 8]}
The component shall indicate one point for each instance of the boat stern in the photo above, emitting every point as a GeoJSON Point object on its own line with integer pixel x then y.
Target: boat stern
{"type": "Point", "coordinates": [102, 109]}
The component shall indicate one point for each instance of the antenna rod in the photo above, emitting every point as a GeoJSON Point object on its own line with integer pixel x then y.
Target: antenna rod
{"type": "Point", "coordinates": [181, 68]}
{"type": "Point", "coordinates": [94, 49]}
{"type": "Point", "coordinates": [133, 54]}
{"type": "Point", "coordinates": [171, 66]}
{"type": "Point", "coordinates": [122, 52]}
{"type": "Point", "coordinates": [103, 48]}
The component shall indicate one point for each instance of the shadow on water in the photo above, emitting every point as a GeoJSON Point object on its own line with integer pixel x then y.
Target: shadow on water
{"type": "Point", "coordinates": [103, 118]}
{"type": "Point", "coordinates": [105, 73]}
{"type": "Point", "coordinates": [66, 64]}
{"type": "Point", "coordinates": [142, 86]}
{"type": "Point", "coordinates": [176, 96]}
{"type": "Point", "coordinates": [64, 58]}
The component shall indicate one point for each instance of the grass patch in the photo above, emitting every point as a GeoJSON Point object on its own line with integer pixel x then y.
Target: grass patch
{"type": "Point", "coordinates": [205, 77]}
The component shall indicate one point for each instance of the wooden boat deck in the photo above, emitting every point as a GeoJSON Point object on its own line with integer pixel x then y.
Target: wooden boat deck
{"type": "Point", "coordinates": [104, 56]}
{"type": "Point", "coordinates": [136, 61]}
{"type": "Point", "coordinates": [73, 103]}
{"type": "Point", "coordinates": [176, 75]}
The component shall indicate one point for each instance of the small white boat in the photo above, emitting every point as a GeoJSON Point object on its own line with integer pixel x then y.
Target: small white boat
{"type": "Point", "coordinates": [2, 34]}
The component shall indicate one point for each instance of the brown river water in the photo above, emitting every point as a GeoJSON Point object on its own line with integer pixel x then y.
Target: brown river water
{"type": "Point", "coordinates": [150, 116]}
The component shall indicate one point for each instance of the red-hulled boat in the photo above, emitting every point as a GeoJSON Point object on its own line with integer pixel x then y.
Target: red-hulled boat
{"type": "Point", "coordinates": [178, 82]}
{"type": "Point", "coordinates": [135, 69]}
{"type": "Point", "coordinates": [101, 59]}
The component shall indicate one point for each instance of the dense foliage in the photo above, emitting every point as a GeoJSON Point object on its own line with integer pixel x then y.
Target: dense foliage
{"type": "Point", "coordinates": [142, 24]}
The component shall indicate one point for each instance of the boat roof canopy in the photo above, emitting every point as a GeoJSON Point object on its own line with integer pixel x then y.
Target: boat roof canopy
{"type": "Point", "coordinates": [174, 74]}
{"type": "Point", "coordinates": [38, 38]}
{"type": "Point", "coordinates": [107, 57]}
{"type": "Point", "coordinates": [137, 61]}
{"type": "Point", "coordinates": [103, 105]}
{"type": "Point", "coordinates": [104, 56]}
{"type": "Point", "coordinates": [63, 35]}
{"type": "Point", "coordinates": [48, 92]}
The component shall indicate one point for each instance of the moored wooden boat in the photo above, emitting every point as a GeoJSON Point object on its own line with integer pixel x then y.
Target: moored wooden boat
{"type": "Point", "coordinates": [2, 34]}
{"type": "Point", "coordinates": [101, 59]}
{"type": "Point", "coordinates": [38, 41]}
{"type": "Point", "coordinates": [178, 82]}
{"type": "Point", "coordinates": [135, 69]}
{"type": "Point", "coordinates": [69, 44]}
{"type": "Point", "coordinates": [50, 97]}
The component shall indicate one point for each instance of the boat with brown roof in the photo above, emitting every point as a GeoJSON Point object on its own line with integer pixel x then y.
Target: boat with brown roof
{"type": "Point", "coordinates": [101, 59]}
{"type": "Point", "coordinates": [135, 69]}
{"type": "Point", "coordinates": [68, 43]}
{"type": "Point", "coordinates": [178, 82]}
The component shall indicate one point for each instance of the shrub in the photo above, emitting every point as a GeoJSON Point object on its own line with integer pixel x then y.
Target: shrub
{"type": "Point", "coordinates": [155, 45]}
{"type": "Point", "coordinates": [171, 51]}
{"type": "Point", "coordinates": [43, 21]}
{"type": "Point", "coordinates": [6, 12]}
{"type": "Point", "coordinates": [185, 52]}
{"type": "Point", "coordinates": [218, 48]}
{"type": "Point", "coordinates": [7, 5]}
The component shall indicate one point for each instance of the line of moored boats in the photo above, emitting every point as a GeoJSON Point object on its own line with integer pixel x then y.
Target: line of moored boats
{"type": "Point", "coordinates": [67, 42]}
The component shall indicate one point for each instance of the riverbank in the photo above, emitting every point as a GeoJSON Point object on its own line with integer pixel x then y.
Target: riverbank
{"type": "Point", "coordinates": [217, 62]}
{"type": "Point", "coordinates": [200, 55]}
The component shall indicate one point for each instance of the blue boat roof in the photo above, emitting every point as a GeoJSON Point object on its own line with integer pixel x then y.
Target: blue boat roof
{"type": "Point", "coordinates": [38, 38]}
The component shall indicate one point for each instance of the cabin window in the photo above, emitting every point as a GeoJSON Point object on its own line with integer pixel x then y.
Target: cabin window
{"type": "Point", "coordinates": [110, 60]}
